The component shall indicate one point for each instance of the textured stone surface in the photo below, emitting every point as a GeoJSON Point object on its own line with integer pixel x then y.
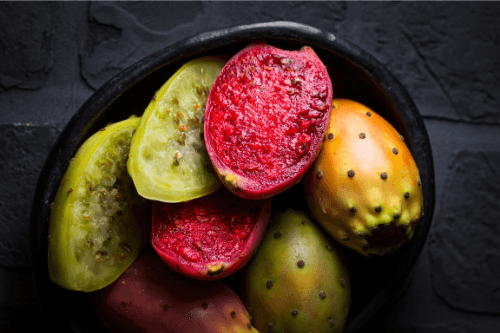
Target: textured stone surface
{"type": "Point", "coordinates": [446, 54]}
{"type": "Point", "coordinates": [120, 34]}
{"type": "Point", "coordinates": [26, 54]}
{"type": "Point", "coordinates": [464, 246]}
{"type": "Point", "coordinates": [24, 150]}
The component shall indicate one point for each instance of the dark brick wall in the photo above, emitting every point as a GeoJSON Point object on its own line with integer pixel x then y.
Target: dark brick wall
{"type": "Point", "coordinates": [54, 55]}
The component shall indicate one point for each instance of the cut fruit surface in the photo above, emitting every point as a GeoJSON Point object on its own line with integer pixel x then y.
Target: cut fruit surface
{"type": "Point", "coordinates": [98, 222]}
{"type": "Point", "coordinates": [168, 159]}
{"type": "Point", "coordinates": [266, 116]}
{"type": "Point", "coordinates": [210, 237]}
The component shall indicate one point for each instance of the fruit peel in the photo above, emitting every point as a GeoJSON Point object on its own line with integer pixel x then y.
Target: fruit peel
{"type": "Point", "coordinates": [149, 297]}
{"type": "Point", "coordinates": [298, 281]}
{"type": "Point", "coordinates": [369, 196]}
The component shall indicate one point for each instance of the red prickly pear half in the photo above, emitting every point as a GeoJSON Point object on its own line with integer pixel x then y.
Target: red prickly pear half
{"type": "Point", "coordinates": [364, 187]}
{"type": "Point", "coordinates": [210, 237]}
{"type": "Point", "coordinates": [149, 297]}
{"type": "Point", "coordinates": [265, 118]}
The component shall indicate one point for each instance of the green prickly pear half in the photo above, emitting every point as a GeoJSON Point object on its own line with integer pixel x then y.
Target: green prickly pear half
{"type": "Point", "coordinates": [210, 237]}
{"type": "Point", "coordinates": [364, 188]}
{"type": "Point", "coordinates": [168, 159]}
{"type": "Point", "coordinates": [265, 119]}
{"type": "Point", "coordinates": [150, 297]}
{"type": "Point", "coordinates": [298, 280]}
{"type": "Point", "coordinates": [98, 223]}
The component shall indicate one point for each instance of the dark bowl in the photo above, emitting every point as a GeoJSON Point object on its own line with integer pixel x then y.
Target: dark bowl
{"type": "Point", "coordinates": [355, 74]}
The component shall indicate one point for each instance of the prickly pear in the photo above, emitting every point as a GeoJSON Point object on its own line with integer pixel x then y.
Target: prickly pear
{"type": "Point", "coordinates": [265, 118]}
{"type": "Point", "coordinates": [210, 237]}
{"type": "Point", "coordinates": [98, 223]}
{"type": "Point", "coordinates": [168, 159]}
{"type": "Point", "coordinates": [364, 188]}
{"type": "Point", "coordinates": [297, 281]}
{"type": "Point", "coordinates": [150, 297]}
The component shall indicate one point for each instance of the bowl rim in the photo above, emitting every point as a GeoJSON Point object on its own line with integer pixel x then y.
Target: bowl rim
{"type": "Point", "coordinates": [89, 112]}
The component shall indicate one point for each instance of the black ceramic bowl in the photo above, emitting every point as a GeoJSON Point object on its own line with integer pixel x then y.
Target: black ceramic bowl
{"type": "Point", "coordinates": [355, 74]}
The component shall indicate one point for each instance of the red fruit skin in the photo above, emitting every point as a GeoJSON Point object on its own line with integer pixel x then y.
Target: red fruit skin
{"type": "Point", "coordinates": [150, 297]}
{"type": "Point", "coordinates": [210, 265]}
{"type": "Point", "coordinates": [265, 118]}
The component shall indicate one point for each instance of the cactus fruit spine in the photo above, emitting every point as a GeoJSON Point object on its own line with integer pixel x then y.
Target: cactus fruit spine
{"type": "Point", "coordinates": [364, 188]}
{"type": "Point", "coordinates": [297, 281]}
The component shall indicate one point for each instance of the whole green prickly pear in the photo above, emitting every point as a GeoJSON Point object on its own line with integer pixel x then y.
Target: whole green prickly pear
{"type": "Point", "coordinates": [297, 281]}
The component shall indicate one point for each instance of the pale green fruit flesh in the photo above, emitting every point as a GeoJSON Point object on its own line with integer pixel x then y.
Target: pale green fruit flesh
{"type": "Point", "coordinates": [168, 158]}
{"type": "Point", "coordinates": [98, 221]}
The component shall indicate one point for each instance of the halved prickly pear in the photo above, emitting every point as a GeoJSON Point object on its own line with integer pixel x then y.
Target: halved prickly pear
{"type": "Point", "coordinates": [265, 119]}
{"type": "Point", "coordinates": [168, 159]}
{"type": "Point", "coordinates": [210, 237]}
{"type": "Point", "coordinates": [98, 222]}
{"type": "Point", "coordinates": [298, 280]}
{"type": "Point", "coordinates": [364, 187]}
{"type": "Point", "coordinates": [150, 297]}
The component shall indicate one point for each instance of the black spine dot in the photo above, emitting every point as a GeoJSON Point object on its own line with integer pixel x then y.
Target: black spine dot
{"type": "Point", "coordinates": [351, 173]}
{"type": "Point", "coordinates": [362, 135]}
{"type": "Point", "coordinates": [407, 195]}
{"type": "Point", "coordinates": [330, 136]}
{"type": "Point", "coordinates": [322, 295]}
{"type": "Point", "coordinates": [395, 151]}
{"type": "Point", "coordinates": [301, 263]}
{"type": "Point", "coordinates": [295, 312]}
{"type": "Point", "coordinates": [383, 175]}
{"type": "Point", "coordinates": [277, 235]}
{"type": "Point", "coordinates": [269, 283]}
{"type": "Point", "coordinates": [396, 216]}
{"type": "Point", "coordinates": [368, 113]}
{"type": "Point", "coordinates": [378, 209]}
{"type": "Point", "coordinates": [419, 182]}
{"type": "Point", "coordinates": [233, 314]}
{"type": "Point", "coordinates": [331, 322]}
{"type": "Point", "coordinates": [353, 209]}
{"type": "Point", "coordinates": [345, 238]}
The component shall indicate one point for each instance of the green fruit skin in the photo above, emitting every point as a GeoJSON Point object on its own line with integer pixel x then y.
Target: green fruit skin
{"type": "Point", "coordinates": [314, 298]}
{"type": "Point", "coordinates": [150, 297]}
{"type": "Point", "coordinates": [168, 158]}
{"type": "Point", "coordinates": [98, 222]}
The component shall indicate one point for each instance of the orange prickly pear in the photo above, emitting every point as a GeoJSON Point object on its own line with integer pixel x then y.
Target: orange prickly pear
{"type": "Point", "coordinates": [364, 188]}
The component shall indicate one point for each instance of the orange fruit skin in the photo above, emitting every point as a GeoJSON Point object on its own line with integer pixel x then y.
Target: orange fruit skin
{"type": "Point", "coordinates": [364, 188]}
